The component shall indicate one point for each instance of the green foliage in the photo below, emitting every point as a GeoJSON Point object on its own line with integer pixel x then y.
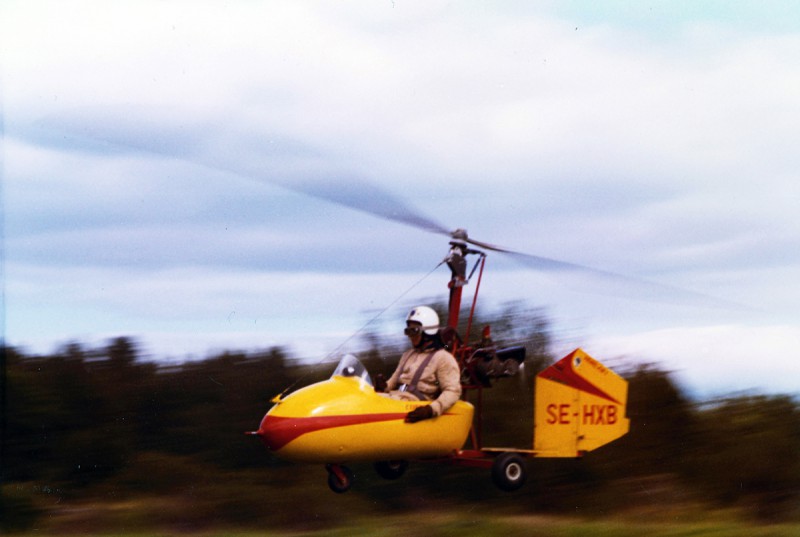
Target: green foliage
{"type": "Point", "coordinates": [104, 427]}
{"type": "Point", "coordinates": [750, 452]}
{"type": "Point", "coordinates": [663, 429]}
{"type": "Point", "coordinates": [18, 509]}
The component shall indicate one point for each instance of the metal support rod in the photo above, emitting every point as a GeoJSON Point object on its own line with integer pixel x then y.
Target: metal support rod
{"type": "Point", "coordinates": [475, 299]}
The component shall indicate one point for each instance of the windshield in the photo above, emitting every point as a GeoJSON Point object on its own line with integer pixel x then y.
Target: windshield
{"type": "Point", "coordinates": [350, 366]}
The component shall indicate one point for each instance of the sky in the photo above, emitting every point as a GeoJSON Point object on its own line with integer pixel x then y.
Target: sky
{"type": "Point", "coordinates": [235, 175]}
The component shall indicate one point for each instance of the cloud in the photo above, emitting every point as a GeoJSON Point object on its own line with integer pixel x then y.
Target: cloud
{"type": "Point", "coordinates": [162, 150]}
{"type": "Point", "coordinates": [761, 358]}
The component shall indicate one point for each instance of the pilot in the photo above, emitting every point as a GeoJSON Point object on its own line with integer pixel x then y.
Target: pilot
{"type": "Point", "coordinates": [427, 371]}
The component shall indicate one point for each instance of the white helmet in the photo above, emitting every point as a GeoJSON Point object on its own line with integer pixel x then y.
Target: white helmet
{"type": "Point", "coordinates": [426, 317]}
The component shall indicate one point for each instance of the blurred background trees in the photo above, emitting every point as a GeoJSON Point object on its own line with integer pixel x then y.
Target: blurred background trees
{"type": "Point", "coordinates": [104, 425]}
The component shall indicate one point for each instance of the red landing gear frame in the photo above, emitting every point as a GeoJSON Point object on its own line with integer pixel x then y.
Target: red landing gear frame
{"type": "Point", "coordinates": [508, 465]}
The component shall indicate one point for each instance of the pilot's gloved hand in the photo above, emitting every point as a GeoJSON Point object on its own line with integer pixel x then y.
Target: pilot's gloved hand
{"type": "Point", "coordinates": [380, 383]}
{"type": "Point", "coordinates": [420, 413]}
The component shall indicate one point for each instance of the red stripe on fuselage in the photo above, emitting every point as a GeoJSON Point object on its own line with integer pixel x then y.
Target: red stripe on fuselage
{"type": "Point", "coordinates": [277, 431]}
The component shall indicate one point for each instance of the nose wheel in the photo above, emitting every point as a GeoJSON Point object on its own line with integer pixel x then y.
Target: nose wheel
{"type": "Point", "coordinates": [340, 478]}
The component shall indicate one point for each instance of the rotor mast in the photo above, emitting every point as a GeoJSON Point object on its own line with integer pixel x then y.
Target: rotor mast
{"type": "Point", "coordinates": [457, 262]}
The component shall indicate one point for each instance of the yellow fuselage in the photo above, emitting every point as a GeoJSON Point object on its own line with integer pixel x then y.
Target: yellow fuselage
{"type": "Point", "coordinates": [343, 419]}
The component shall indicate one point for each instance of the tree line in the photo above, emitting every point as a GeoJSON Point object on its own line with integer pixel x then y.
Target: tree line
{"type": "Point", "coordinates": [104, 425]}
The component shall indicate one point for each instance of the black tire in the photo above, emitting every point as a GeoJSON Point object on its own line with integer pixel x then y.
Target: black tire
{"type": "Point", "coordinates": [509, 471]}
{"type": "Point", "coordinates": [342, 484]}
{"type": "Point", "coordinates": [391, 469]}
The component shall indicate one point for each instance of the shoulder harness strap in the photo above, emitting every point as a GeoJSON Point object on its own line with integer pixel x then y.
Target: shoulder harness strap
{"type": "Point", "coordinates": [412, 387]}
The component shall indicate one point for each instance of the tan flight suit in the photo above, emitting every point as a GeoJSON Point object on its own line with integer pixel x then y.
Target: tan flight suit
{"type": "Point", "coordinates": [440, 381]}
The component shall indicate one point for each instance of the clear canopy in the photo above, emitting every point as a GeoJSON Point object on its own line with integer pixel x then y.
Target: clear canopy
{"type": "Point", "coordinates": [350, 366]}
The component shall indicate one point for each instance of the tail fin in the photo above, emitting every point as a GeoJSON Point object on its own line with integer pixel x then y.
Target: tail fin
{"type": "Point", "coordinates": [580, 406]}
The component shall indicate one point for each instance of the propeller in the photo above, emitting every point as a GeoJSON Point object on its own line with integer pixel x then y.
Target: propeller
{"type": "Point", "coordinates": [169, 134]}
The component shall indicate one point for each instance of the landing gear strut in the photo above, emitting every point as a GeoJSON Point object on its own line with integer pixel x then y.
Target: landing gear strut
{"type": "Point", "coordinates": [340, 478]}
{"type": "Point", "coordinates": [391, 469]}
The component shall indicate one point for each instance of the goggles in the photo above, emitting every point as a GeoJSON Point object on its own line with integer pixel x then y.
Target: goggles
{"type": "Point", "coordinates": [416, 330]}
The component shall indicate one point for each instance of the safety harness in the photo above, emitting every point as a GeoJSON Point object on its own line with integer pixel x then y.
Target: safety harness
{"type": "Point", "coordinates": [412, 386]}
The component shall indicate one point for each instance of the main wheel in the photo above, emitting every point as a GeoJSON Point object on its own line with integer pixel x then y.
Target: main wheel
{"type": "Point", "coordinates": [391, 469]}
{"type": "Point", "coordinates": [509, 472]}
{"type": "Point", "coordinates": [340, 478]}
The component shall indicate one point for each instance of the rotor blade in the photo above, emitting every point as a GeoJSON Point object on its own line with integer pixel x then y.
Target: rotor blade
{"type": "Point", "coordinates": [607, 282]}
{"type": "Point", "coordinates": [547, 264]}
{"type": "Point", "coordinates": [361, 195]}
{"type": "Point", "coordinates": [487, 246]}
{"type": "Point", "coordinates": [175, 134]}
{"type": "Point", "coordinates": [170, 134]}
